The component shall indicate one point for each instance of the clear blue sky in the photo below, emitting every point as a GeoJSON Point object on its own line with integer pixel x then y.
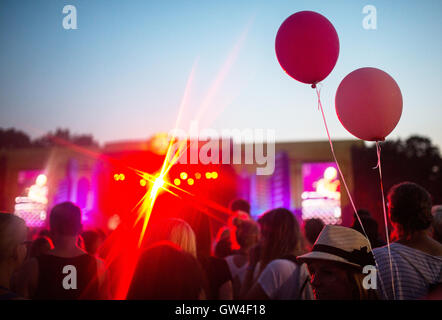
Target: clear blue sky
{"type": "Point", "coordinates": [122, 74]}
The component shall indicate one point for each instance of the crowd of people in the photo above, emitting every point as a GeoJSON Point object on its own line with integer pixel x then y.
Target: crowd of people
{"type": "Point", "coordinates": [275, 257]}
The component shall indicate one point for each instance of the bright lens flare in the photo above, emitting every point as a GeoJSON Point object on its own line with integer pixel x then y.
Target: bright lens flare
{"type": "Point", "coordinates": [158, 184]}
{"type": "Point", "coordinates": [148, 202]}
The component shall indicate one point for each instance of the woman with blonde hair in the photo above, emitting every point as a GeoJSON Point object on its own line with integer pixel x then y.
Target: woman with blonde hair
{"type": "Point", "coordinates": [177, 231]}
{"type": "Point", "coordinates": [181, 233]}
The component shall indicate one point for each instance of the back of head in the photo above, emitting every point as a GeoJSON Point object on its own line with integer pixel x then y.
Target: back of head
{"type": "Point", "coordinates": [13, 232]}
{"type": "Point", "coordinates": [281, 234]}
{"type": "Point", "coordinates": [247, 233]}
{"type": "Point", "coordinates": [40, 246]}
{"type": "Point", "coordinates": [371, 229]}
{"type": "Point", "coordinates": [362, 213]}
{"type": "Point", "coordinates": [313, 228]}
{"type": "Point", "coordinates": [240, 205]}
{"type": "Point", "coordinates": [179, 232]}
{"type": "Point", "coordinates": [44, 233]}
{"type": "Point", "coordinates": [165, 272]}
{"type": "Point", "coordinates": [65, 219]}
{"type": "Point", "coordinates": [91, 241]}
{"type": "Point", "coordinates": [176, 231]}
{"type": "Point", "coordinates": [410, 207]}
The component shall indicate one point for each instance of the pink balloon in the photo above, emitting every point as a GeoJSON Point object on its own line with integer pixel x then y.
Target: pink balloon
{"type": "Point", "coordinates": [307, 46]}
{"type": "Point", "coordinates": [369, 104]}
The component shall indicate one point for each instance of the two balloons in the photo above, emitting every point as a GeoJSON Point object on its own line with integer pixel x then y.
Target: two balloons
{"type": "Point", "coordinates": [368, 100]}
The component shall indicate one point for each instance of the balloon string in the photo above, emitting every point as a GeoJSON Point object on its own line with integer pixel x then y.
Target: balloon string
{"type": "Point", "coordinates": [378, 151]}
{"type": "Point", "coordinates": [318, 93]}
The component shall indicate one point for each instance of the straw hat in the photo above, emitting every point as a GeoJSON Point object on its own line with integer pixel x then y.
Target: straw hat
{"type": "Point", "coordinates": [341, 244]}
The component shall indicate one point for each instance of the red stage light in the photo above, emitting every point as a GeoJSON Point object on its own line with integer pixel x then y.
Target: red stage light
{"type": "Point", "coordinates": [190, 181]}
{"type": "Point", "coordinates": [143, 182]}
{"type": "Point", "coordinates": [214, 175]}
{"type": "Point", "coordinates": [183, 175]}
{"type": "Point", "coordinates": [208, 175]}
{"type": "Point", "coordinates": [198, 175]}
{"type": "Point", "coordinates": [177, 182]}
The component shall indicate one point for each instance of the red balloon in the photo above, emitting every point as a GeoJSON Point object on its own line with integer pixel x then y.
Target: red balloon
{"type": "Point", "coordinates": [369, 104]}
{"type": "Point", "coordinates": [307, 46]}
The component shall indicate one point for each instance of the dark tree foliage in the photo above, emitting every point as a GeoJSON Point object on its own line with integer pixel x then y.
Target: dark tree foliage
{"type": "Point", "coordinates": [62, 136]}
{"type": "Point", "coordinates": [12, 139]}
{"type": "Point", "coordinates": [416, 160]}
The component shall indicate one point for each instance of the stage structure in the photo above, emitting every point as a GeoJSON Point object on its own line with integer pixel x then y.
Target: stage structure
{"type": "Point", "coordinates": [99, 180]}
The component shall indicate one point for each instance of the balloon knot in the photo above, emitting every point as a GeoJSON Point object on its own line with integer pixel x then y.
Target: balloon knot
{"type": "Point", "coordinates": [313, 85]}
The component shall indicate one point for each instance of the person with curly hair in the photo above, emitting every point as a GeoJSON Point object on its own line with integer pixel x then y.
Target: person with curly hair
{"type": "Point", "coordinates": [416, 258]}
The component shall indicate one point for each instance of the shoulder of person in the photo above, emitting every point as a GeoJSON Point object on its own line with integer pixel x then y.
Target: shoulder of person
{"type": "Point", "coordinates": [281, 264]}
{"type": "Point", "coordinates": [384, 249]}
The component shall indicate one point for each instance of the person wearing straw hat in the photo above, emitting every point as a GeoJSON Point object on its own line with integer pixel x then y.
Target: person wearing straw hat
{"type": "Point", "coordinates": [336, 262]}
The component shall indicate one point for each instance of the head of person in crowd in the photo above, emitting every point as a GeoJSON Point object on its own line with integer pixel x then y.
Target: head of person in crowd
{"type": "Point", "coordinates": [370, 226]}
{"type": "Point", "coordinates": [65, 223]}
{"type": "Point", "coordinates": [44, 233]}
{"type": "Point", "coordinates": [39, 246]}
{"type": "Point", "coordinates": [437, 223]}
{"type": "Point", "coordinates": [312, 229]}
{"type": "Point", "coordinates": [336, 265]}
{"type": "Point", "coordinates": [236, 219]}
{"type": "Point", "coordinates": [91, 241]}
{"type": "Point", "coordinates": [280, 235]}
{"type": "Point", "coordinates": [247, 234]}
{"type": "Point", "coordinates": [223, 244]}
{"type": "Point", "coordinates": [101, 234]}
{"type": "Point", "coordinates": [240, 205]}
{"type": "Point", "coordinates": [13, 235]}
{"type": "Point", "coordinates": [409, 207]}
{"type": "Point", "coordinates": [362, 213]}
{"type": "Point", "coordinates": [176, 231]}
{"type": "Point", "coordinates": [165, 272]}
